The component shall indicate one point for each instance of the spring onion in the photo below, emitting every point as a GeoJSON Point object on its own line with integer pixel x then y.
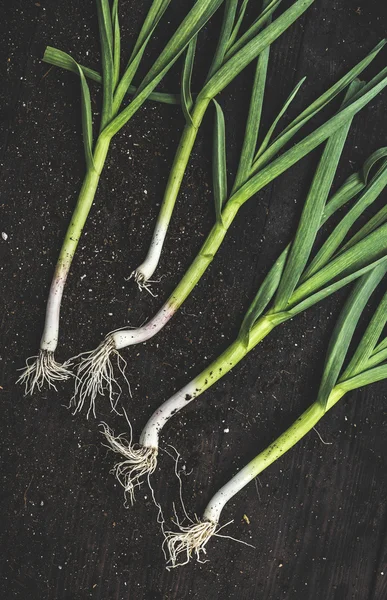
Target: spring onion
{"type": "Point", "coordinates": [367, 365]}
{"type": "Point", "coordinates": [233, 53]}
{"type": "Point", "coordinates": [44, 368]}
{"type": "Point", "coordinates": [95, 373]}
{"type": "Point", "coordinates": [284, 293]}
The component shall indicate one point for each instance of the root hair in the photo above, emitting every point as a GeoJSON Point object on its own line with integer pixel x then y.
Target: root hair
{"type": "Point", "coordinates": [139, 462]}
{"type": "Point", "coordinates": [142, 283]}
{"type": "Point", "coordinates": [95, 377]}
{"type": "Point", "coordinates": [43, 369]}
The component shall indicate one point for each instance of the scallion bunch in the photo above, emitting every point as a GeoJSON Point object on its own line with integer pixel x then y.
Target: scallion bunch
{"type": "Point", "coordinates": [259, 165]}
{"type": "Point", "coordinates": [367, 365]}
{"type": "Point", "coordinates": [44, 368]}
{"type": "Point", "coordinates": [233, 53]}
{"type": "Point", "coordinates": [297, 281]}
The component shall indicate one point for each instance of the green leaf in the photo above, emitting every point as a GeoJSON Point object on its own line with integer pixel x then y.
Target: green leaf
{"type": "Point", "coordinates": [377, 358]}
{"type": "Point", "coordinates": [365, 378]}
{"type": "Point", "coordinates": [302, 148]}
{"type": "Point", "coordinates": [344, 330]}
{"type": "Point", "coordinates": [106, 38]}
{"type": "Point", "coordinates": [191, 25]}
{"type": "Point", "coordinates": [283, 110]}
{"type": "Point", "coordinates": [224, 36]}
{"type": "Point", "coordinates": [219, 162]}
{"type": "Point", "coordinates": [235, 30]}
{"type": "Point", "coordinates": [366, 347]}
{"type": "Point", "coordinates": [331, 288]}
{"type": "Point", "coordinates": [253, 120]}
{"type": "Point", "coordinates": [375, 222]}
{"type": "Point", "coordinates": [368, 250]}
{"type": "Point", "coordinates": [370, 194]}
{"type": "Point", "coordinates": [58, 58]}
{"type": "Point", "coordinates": [186, 95]}
{"type": "Point", "coordinates": [350, 188]}
{"type": "Point", "coordinates": [312, 212]}
{"type": "Point", "coordinates": [234, 65]}
{"type": "Point", "coordinates": [381, 346]}
{"type": "Point", "coordinates": [353, 185]}
{"type": "Point", "coordinates": [264, 295]}
{"type": "Point", "coordinates": [268, 9]}
{"type": "Point", "coordinates": [116, 44]}
{"type": "Point", "coordinates": [313, 109]}
{"type": "Point", "coordinates": [152, 19]}
{"type": "Point", "coordinates": [87, 119]}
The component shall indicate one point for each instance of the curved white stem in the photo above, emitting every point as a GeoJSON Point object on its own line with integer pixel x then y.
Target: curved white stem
{"type": "Point", "coordinates": [49, 340]}
{"type": "Point", "coordinates": [129, 337]}
{"type": "Point", "coordinates": [145, 271]}
{"type": "Point", "coordinates": [150, 435]}
{"type": "Point", "coordinates": [230, 489]}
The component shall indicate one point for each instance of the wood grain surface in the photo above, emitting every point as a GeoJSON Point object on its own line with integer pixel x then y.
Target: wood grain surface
{"type": "Point", "coordinates": [317, 518]}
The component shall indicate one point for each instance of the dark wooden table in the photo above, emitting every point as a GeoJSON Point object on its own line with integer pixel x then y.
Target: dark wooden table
{"type": "Point", "coordinates": [317, 518]}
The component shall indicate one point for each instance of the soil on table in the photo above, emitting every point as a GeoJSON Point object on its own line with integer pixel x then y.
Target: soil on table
{"type": "Point", "coordinates": [317, 519]}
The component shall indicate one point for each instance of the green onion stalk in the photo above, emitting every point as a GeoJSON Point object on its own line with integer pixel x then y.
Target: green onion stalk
{"type": "Point", "coordinates": [44, 369]}
{"type": "Point", "coordinates": [368, 365]}
{"type": "Point", "coordinates": [285, 292]}
{"type": "Point", "coordinates": [257, 168]}
{"type": "Point", "coordinates": [233, 53]}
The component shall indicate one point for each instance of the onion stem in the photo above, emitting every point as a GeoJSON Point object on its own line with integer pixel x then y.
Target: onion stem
{"type": "Point", "coordinates": [230, 59]}
{"type": "Point", "coordinates": [43, 368]}
{"type": "Point", "coordinates": [145, 271]}
{"type": "Point", "coordinates": [190, 540]}
{"type": "Point", "coordinates": [89, 370]}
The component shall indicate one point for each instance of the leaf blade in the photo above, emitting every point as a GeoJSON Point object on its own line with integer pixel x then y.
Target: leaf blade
{"type": "Point", "coordinates": [186, 78]}
{"type": "Point", "coordinates": [219, 162]}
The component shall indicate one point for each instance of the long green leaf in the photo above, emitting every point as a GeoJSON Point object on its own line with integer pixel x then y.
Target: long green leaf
{"type": "Point", "coordinates": [58, 58]}
{"type": "Point", "coordinates": [252, 49]}
{"type": "Point", "coordinates": [353, 185]}
{"type": "Point", "coordinates": [344, 330]}
{"type": "Point", "coordinates": [152, 19]}
{"type": "Point", "coordinates": [310, 220]}
{"type": "Point", "coordinates": [219, 162]}
{"type": "Point", "coordinates": [116, 44]}
{"type": "Point", "coordinates": [381, 346]}
{"type": "Point", "coordinates": [365, 378]}
{"type": "Point", "coordinates": [87, 119]}
{"type": "Point", "coordinates": [267, 10]}
{"type": "Point", "coordinates": [264, 295]}
{"type": "Point", "coordinates": [376, 221]}
{"type": "Point", "coordinates": [313, 109]}
{"type": "Point", "coordinates": [370, 194]}
{"type": "Point", "coordinates": [253, 119]}
{"type": "Point", "coordinates": [281, 113]}
{"type": "Point", "coordinates": [349, 189]}
{"type": "Point", "coordinates": [238, 24]}
{"type": "Point", "coordinates": [186, 78]}
{"type": "Point", "coordinates": [368, 342]}
{"type": "Point", "coordinates": [377, 358]}
{"type": "Point", "coordinates": [230, 8]}
{"type": "Point", "coordinates": [191, 25]}
{"type": "Point", "coordinates": [368, 250]}
{"type": "Point", "coordinates": [302, 148]}
{"type": "Point", "coordinates": [331, 288]}
{"type": "Point", "coordinates": [106, 38]}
